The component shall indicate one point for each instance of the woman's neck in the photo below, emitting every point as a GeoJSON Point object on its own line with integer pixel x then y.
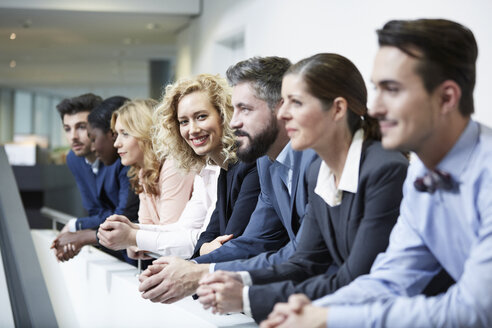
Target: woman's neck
{"type": "Point", "coordinates": [334, 153]}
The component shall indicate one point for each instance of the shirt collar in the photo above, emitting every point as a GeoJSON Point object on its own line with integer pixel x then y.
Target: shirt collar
{"type": "Point", "coordinates": [285, 157]}
{"type": "Point", "coordinates": [94, 165]}
{"type": "Point", "coordinates": [349, 181]}
{"type": "Point", "coordinates": [209, 170]}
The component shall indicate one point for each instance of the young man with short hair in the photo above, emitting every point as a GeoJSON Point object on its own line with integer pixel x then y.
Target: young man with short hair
{"type": "Point", "coordinates": [105, 190]}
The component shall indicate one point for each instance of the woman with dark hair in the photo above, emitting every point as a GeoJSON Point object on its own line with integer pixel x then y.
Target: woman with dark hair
{"type": "Point", "coordinates": [354, 191]}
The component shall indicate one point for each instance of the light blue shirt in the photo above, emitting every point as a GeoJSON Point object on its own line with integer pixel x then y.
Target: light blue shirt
{"type": "Point", "coordinates": [284, 163]}
{"type": "Point", "coordinates": [449, 229]}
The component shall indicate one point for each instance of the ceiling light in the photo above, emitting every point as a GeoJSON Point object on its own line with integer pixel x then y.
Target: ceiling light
{"type": "Point", "coordinates": [13, 63]}
{"type": "Point", "coordinates": [12, 36]}
{"type": "Point", "coordinates": [152, 26]}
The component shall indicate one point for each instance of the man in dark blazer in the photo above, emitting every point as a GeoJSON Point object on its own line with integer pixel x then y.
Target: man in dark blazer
{"type": "Point", "coordinates": [271, 233]}
{"type": "Point", "coordinates": [237, 194]}
{"type": "Point", "coordinates": [275, 221]}
{"type": "Point", "coordinates": [105, 189]}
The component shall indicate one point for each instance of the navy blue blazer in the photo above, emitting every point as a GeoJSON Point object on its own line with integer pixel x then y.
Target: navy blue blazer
{"type": "Point", "coordinates": [275, 221]}
{"type": "Point", "coordinates": [103, 194]}
{"type": "Point", "coordinates": [237, 194]}
{"type": "Point", "coordinates": [337, 243]}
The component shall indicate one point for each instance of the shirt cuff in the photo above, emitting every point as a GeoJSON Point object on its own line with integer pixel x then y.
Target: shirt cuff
{"type": "Point", "coordinates": [346, 316]}
{"type": "Point", "coordinates": [71, 225]}
{"type": "Point", "coordinates": [246, 305]}
{"type": "Point", "coordinates": [246, 278]}
{"type": "Point", "coordinates": [146, 240]}
{"type": "Point", "coordinates": [211, 268]}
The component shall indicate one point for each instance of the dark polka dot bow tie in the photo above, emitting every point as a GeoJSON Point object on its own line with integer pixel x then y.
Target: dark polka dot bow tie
{"type": "Point", "coordinates": [433, 180]}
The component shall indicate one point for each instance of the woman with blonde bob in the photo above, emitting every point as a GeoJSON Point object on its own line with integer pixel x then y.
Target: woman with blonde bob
{"type": "Point", "coordinates": [162, 188]}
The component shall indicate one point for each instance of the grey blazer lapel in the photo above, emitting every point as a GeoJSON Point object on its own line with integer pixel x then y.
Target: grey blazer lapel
{"type": "Point", "coordinates": [281, 193]}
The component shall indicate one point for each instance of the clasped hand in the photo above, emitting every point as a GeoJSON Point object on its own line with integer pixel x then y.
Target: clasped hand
{"type": "Point", "coordinates": [222, 292]}
{"type": "Point", "coordinates": [117, 232]}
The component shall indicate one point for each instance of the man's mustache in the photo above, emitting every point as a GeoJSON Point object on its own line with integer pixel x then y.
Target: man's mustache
{"type": "Point", "coordinates": [241, 133]}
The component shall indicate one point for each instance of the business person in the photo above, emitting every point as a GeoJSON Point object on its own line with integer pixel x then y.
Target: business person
{"type": "Point", "coordinates": [191, 124]}
{"type": "Point", "coordinates": [424, 73]}
{"type": "Point", "coordinates": [354, 192]}
{"type": "Point", "coordinates": [68, 244]}
{"type": "Point", "coordinates": [281, 205]}
{"type": "Point", "coordinates": [163, 190]}
{"type": "Point", "coordinates": [104, 189]}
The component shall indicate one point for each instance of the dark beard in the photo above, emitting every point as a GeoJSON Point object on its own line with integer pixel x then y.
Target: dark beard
{"type": "Point", "coordinates": [259, 145]}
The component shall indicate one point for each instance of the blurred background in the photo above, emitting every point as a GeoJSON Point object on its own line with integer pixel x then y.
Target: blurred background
{"type": "Point", "coordinates": [53, 49]}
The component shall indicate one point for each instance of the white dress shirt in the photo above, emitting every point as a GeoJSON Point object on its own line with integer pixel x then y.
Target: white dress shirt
{"type": "Point", "coordinates": [179, 238]}
{"type": "Point", "coordinates": [326, 188]}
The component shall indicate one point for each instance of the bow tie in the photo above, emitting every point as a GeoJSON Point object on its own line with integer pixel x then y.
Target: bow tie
{"type": "Point", "coordinates": [433, 180]}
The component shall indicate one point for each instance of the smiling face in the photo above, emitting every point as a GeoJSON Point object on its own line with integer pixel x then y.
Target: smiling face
{"type": "Point", "coordinates": [127, 146]}
{"type": "Point", "coordinates": [102, 145]}
{"type": "Point", "coordinates": [407, 113]}
{"type": "Point", "coordinates": [307, 124]}
{"type": "Point", "coordinates": [200, 124]}
{"type": "Point", "coordinates": [75, 127]}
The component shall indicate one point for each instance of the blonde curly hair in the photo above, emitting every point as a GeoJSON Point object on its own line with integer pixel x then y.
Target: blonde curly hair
{"type": "Point", "coordinates": [166, 136]}
{"type": "Point", "coordinates": [136, 118]}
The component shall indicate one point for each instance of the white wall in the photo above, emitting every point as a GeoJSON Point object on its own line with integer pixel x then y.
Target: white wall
{"type": "Point", "coordinates": [297, 29]}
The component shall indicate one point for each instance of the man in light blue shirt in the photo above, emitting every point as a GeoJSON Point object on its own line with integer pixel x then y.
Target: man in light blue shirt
{"type": "Point", "coordinates": [424, 74]}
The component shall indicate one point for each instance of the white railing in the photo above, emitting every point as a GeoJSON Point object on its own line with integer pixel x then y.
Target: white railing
{"type": "Point", "coordinates": [55, 216]}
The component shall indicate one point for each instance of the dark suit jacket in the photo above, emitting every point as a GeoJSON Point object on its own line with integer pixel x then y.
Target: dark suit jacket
{"type": "Point", "coordinates": [103, 194]}
{"type": "Point", "coordinates": [338, 243]}
{"type": "Point", "coordinates": [237, 194]}
{"type": "Point", "coordinates": [274, 222]}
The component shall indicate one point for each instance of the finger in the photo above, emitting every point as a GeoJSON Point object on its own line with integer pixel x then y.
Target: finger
{"type": "Point", "coordinates": [164, 260]}
{"type": "Point", "coordinates": [207, 301]}
{"type": "Point", "coordinates": [110, 225]}
{"type": "Point", "coordinates": [297, 302]}
{"type": "Point", "coordinates": [66, 256]}
{"type": "Point", "coordinates": [147, 285]}
{"type": "Point", "coordinates": [111, 217]}
{"type": "Point", "coordinates": [224, 238]}
{"type": "Point", "coordinates": [156, 268]}
{"type": "Point", "coordinates": [103, 240]}
{"type": "Point", "coordinates": [171, 299]}
{"type": "Point", "coordinates": [104, 225]}
{"type": "Point", "coordinates": [280, 309]}
{"type": "Point", "coordinates": [274, 321]}
{"type": "Point", "coordinates": [158, 294]}
{"type": "Point", "coordinates": [144, 275]}
{"type": "Point", "coordinates": [218, 276]}
{"type": "Point", "coordinates": [59, 256]}
{"type": "Point", "coordinates": [120, 218]}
